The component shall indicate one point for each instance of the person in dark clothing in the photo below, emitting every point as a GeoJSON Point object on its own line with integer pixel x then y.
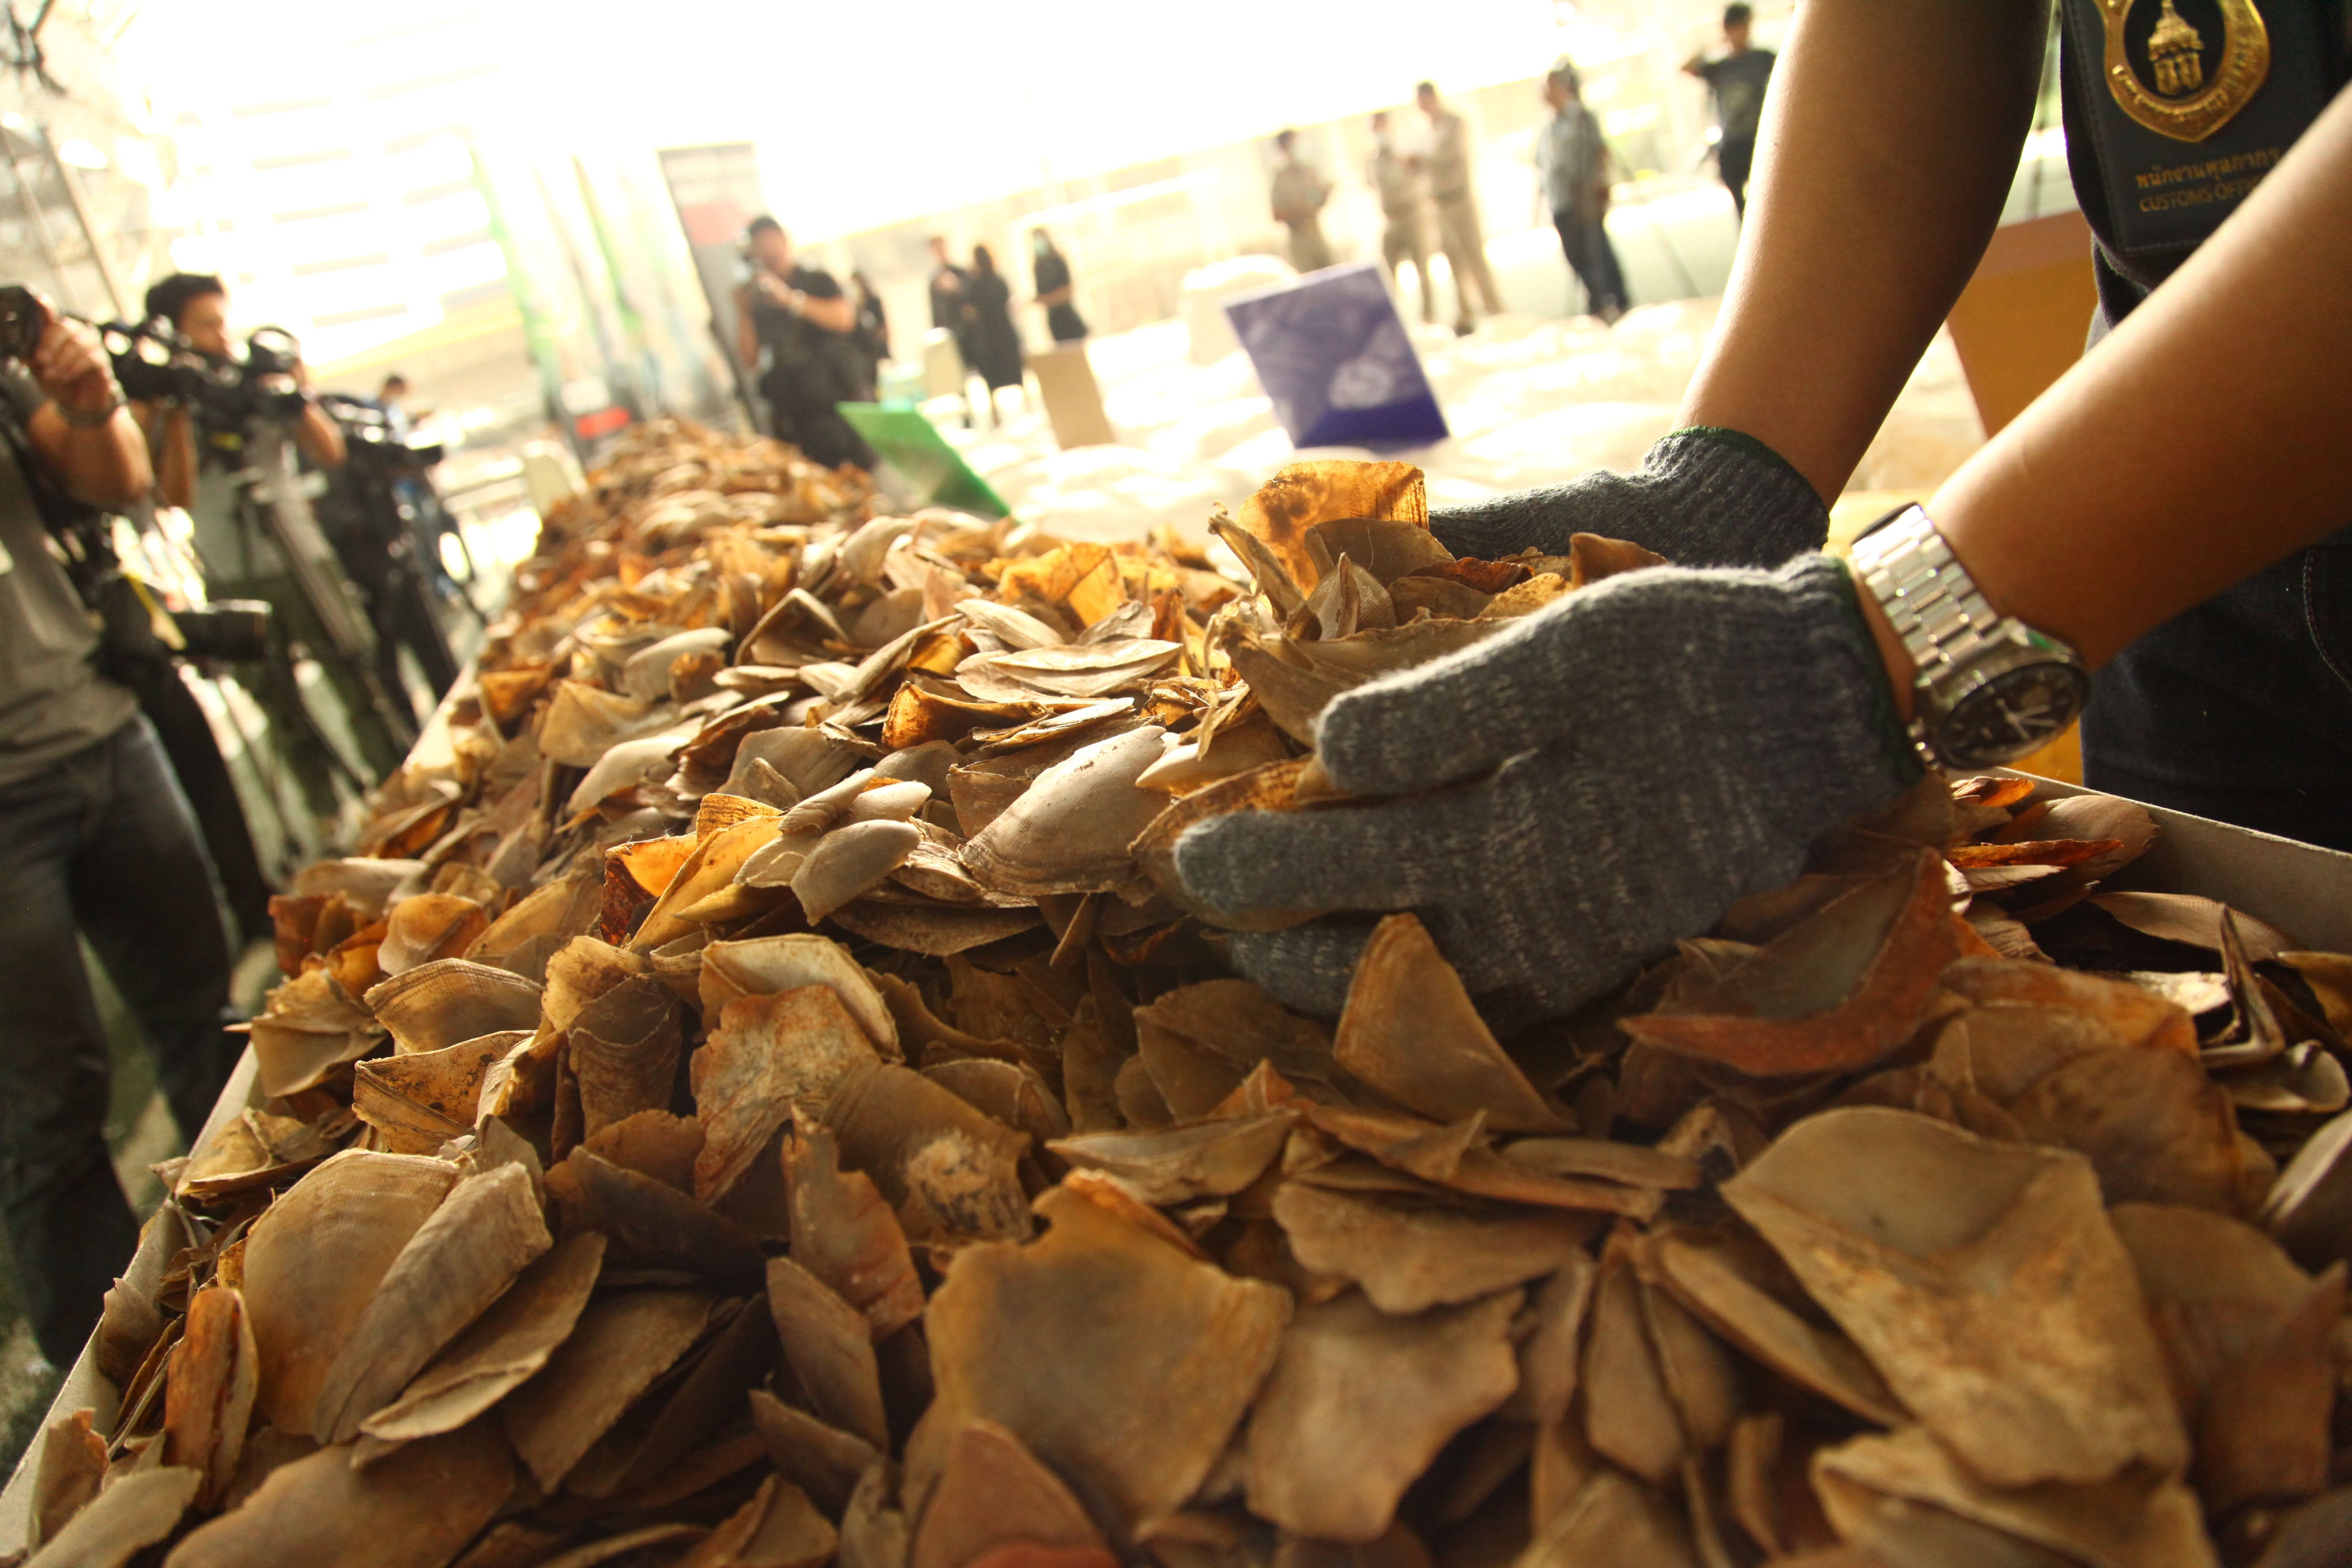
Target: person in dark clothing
{"type": "Point", "coordinates": [368, 519]}
{"type": "Point", "coordinates": [950, 308]}
{"type": "Point", "coordinates": [952, 312]}
{"type": "Point", "coordinates": [873, 334]}
{"type": "Point", "coordinates": [101, 844]}
{"type": "Point", "coordinates": [799, 327]}
{"type": "Point", "coordinates": [995, 342]}
{"type": "Point", "coordinates": [1737, 78]}
{"type": "Point", "coordinates": [1054, 290]}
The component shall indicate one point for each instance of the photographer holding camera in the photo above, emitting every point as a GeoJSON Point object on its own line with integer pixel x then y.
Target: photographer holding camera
{"type": "Point", "coordinates": [206, 440]}
{"type": "Point", "coordinates": [100, 841]}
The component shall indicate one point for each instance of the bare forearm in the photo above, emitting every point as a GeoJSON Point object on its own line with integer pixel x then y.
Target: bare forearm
{"type": "Point", "coordinates": [176, 458]}
{"type": "Point", "coordinates": [1888, 142]}
{"type": "Point", "coordinates": [105, 465]}
{"type": "Point", "coordinates": [321, 441]}
{"type": "Point", "coordinates": [2203, 441]}
{"type": "Point", "coordinates": [833, 315]}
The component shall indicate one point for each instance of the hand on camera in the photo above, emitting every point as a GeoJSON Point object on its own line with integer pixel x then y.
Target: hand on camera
{"type": "Point", "coordinates": [70, 366]}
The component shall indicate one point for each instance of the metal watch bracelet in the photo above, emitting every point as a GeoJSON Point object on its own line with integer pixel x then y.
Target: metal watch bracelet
{"type": "Point", "coordinates": [1957, 641]}
{"type": "Point", "coordinates": [80, 421]}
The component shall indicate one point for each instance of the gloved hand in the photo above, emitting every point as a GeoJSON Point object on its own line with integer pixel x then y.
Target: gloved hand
{"type": "Point", "coordinates": [1701, 497]}
{"type": "Point", "coordinates": [1642, 753]}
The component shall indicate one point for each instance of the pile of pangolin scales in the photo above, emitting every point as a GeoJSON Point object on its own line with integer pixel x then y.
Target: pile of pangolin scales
{"type": "Point", "coordinates": [761, 1097]}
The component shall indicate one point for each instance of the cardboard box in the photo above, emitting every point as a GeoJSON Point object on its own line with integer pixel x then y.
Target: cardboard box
{"type": "Point", "coordinates": [2304, 890]}
{"type": "Point", "coordinates": [1074, 402]}
{"type": "Point", "coordinates": [2023, 317]}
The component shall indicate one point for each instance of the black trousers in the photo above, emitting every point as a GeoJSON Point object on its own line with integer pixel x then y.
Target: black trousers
{"type": "Point", "coordinates": [103, 844]}
{"type": "Point", "coordinates": [187, 739]}
{"type": "Point", "coordinates": [1735, 159]}
{"type": "Point", "coordinates": [2241, 708]}
{"type": "Point", "coordinates": [824, 436]}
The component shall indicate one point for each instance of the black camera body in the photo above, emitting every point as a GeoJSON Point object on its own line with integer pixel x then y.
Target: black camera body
{"type": "Point", "coordinates": [155, 364]}
{"type": "Point", "coordinates": [372, 446]}
{"type": "Point", "coordinates": [235, 631]}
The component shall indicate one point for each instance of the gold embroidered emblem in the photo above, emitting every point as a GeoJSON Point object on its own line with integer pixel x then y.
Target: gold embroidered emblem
{"type": "Point", "coordinates": [2180, 79]}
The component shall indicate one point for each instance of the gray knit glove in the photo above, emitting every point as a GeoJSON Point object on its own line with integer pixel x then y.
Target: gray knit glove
{"type": "Point", "coordinates": [1703, 496]}
{"type": "Point", "coordinates": [1639, 754]}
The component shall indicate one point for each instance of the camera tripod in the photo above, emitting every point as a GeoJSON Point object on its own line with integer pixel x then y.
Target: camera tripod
{"type": "Point", "coordinates": [268, 505]}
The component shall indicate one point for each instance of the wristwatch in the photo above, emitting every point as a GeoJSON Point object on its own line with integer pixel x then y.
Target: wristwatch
{"type": "Point", "coordinates": [80, 421]}
{"type": "Point", "coordinates": [1989, 688]}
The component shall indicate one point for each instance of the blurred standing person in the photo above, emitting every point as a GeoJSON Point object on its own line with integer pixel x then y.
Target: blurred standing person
{"type": "Point", "coordinates": [1737, 78]}
{"type": "Point", "coordinates": [799, 318]}
{"type": "Point", "coordinates": [100, 842]}
{"type": "Point", "coordinates": [995, 341]}
{"type": "Point", "coordinates": [1299, 195]}
{"type": "Point", "coordinates": [952, 310]}
{"type": "Point", "coordinates": [1459, 233]}
{"type": "Point", "coordinates": [1572, 161]}
{"type": "Point", "coordinates": [949, 309]}
{"type": "Point", "coordinates": [1055, 290]}
{"type": "Point", "coordinates": [430, 520]}
{"type": "Point", "coordinates": [1404, 232]}
{"type": "Point", "coordinates": [204, 460]}
{"type": "Point", "coordinates": [873, 333]}
{"type": "Point", "coordinates": [393, 401]}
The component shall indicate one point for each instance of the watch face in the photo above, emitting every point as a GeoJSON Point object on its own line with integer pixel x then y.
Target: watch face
{"type": "Point", "coordinates": [2015, 711]}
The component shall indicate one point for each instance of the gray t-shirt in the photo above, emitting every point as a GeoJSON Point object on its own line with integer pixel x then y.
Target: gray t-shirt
{"type": "Point", "coordinates": [1738, 82]}
{"type": "Point", "coordinates": [232, 548]}
{"type": "Point", "coordinates": [240, 550]}
{"type": "Point", "coordinates": [52, 703]}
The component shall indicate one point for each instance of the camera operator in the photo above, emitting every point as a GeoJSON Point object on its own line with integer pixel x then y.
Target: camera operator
{"type": "Point", "coordinates": [99, 841]}
{"type": "Point", "coordinates": [370, 519]}
{"type": "Point", "coordinates": [199, 448]}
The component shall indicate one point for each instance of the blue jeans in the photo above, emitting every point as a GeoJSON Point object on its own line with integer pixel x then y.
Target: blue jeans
{"type": "Point", "coordinates": [2240, 710]}
{"type": "Point", "coordinates": [1593, 259]}
{"type": "Point", "coordinates": [102, 843]}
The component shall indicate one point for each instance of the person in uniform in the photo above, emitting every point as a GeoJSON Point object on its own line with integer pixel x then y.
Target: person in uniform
{"type": "Point", "coordinates": [2162, 533]}
{"type": "Point", "coordinates": [1737, 78]}
{"type": "Point", "coordinates": [1297, 197]}
{"type": "Point", "coordinates": [1459, 232]}
{"type": "Point", "coordinates": [1404, 227]}
{"type": "Point", "coordinates": [795, 319]}
{"type": "Point", "coordinates": [1572, 161]}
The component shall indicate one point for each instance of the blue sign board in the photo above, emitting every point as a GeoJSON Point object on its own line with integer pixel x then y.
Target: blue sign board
{"type": "Point", "coordinates": [1332, 352]}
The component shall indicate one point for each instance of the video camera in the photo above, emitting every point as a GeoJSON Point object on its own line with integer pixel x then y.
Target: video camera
{"type": "Point", "coordinates": [372, 445]}
{"type": "Point", "coordinates": [155, 364]}
{"type": "Point", "coordinates": [137, 634]}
